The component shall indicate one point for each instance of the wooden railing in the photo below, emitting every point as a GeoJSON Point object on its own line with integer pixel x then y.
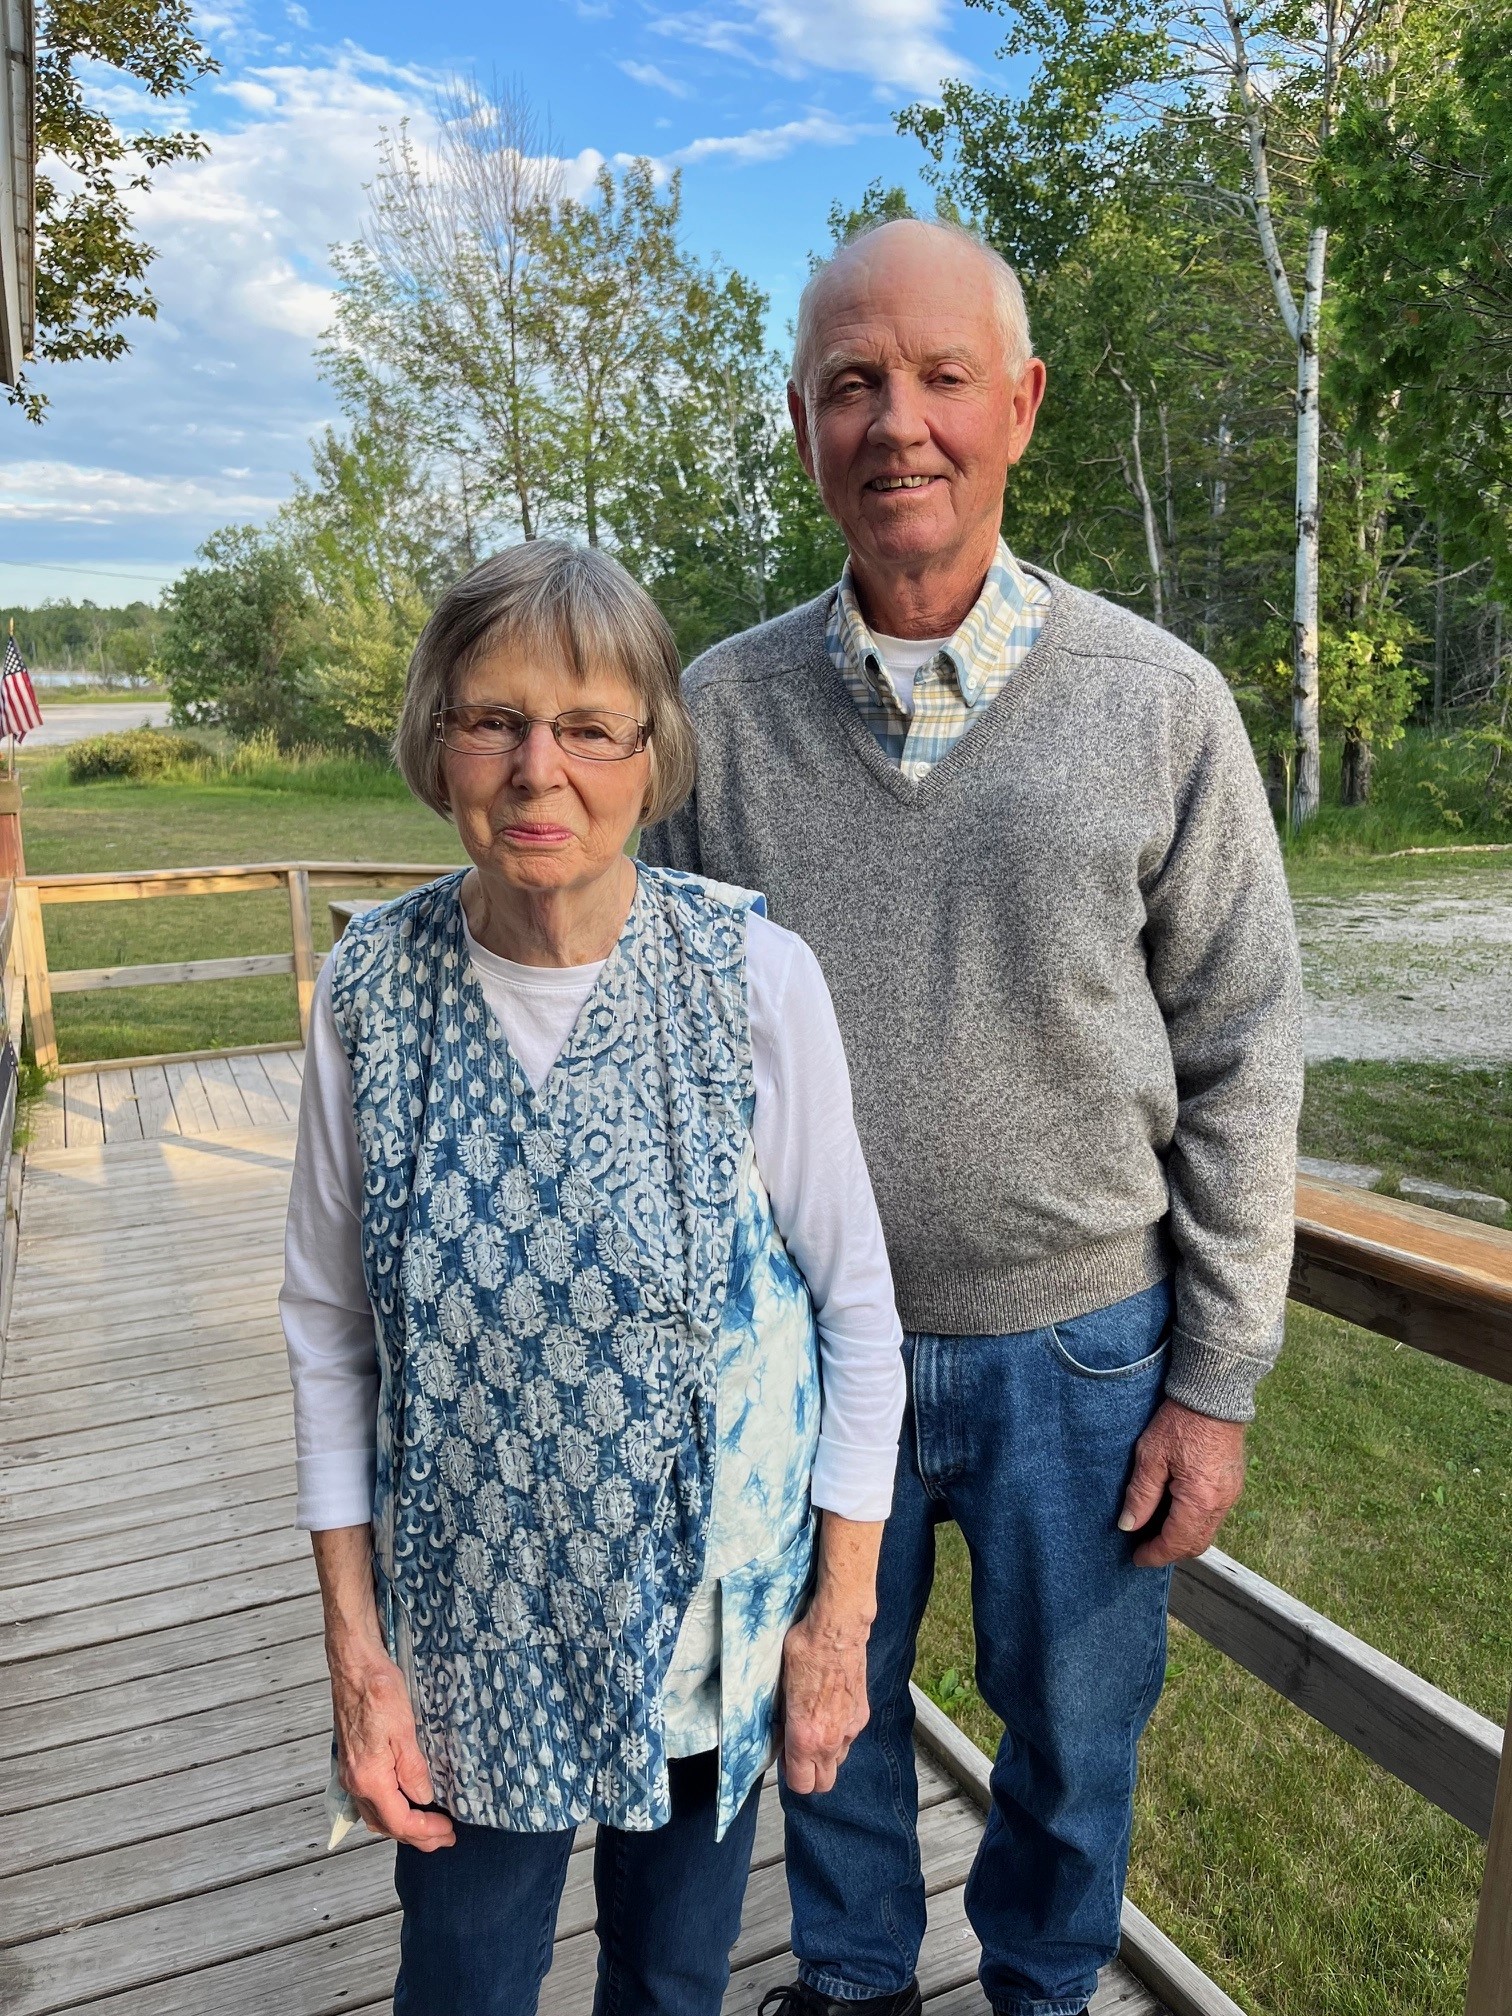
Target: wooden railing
{"type": "Point", "coordinates": [38, 893]}
{"type": "Point", "coordinates": [1439, 1284]}
{"type": "Point", "coordinates": [11, 1006]}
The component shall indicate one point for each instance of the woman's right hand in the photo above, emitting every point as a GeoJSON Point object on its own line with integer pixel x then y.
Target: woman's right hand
{"type": "Point", "coordinates": [381, 1763]}
{"type": "Point", "coordinates": [380, 1760]}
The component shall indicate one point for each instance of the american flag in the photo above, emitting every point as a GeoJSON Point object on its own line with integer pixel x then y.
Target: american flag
{"type": "Point", "coordinates": [18, 699]}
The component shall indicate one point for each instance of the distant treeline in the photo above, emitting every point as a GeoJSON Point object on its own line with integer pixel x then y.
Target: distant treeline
{"type": "Point", "coordinates": [84, 638]}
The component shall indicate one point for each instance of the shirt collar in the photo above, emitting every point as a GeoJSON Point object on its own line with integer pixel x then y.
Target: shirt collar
{"type": "Point", "coordinates": [973, 653]}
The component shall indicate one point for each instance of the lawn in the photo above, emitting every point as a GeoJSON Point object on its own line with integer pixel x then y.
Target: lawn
{"type": "Point", "coordinates": [1297, 1874]}
{"type": "Point", "coordinates": [307, 816]}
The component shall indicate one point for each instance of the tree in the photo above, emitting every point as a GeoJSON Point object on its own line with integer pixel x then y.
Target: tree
{"type": "Point", "coordinates": [1419, 191]}
{"type": "Point", "coordinates": [612, 280]}
{"type": "Point", "coordinates": [438, 310]}
{"type": "Point", "coordinates": [698, 526]}
{"type": "Point", "coordinates": [239, 649]}
{"type": "Point", "coordinates": [90, 261]}
{"type": "Point", "coordinates": [379, 540]}
{"type": "Point", "coordinates": [1240, 102]}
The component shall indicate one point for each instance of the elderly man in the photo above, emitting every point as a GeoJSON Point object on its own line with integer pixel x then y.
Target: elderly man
{"type": "Point", "coordinates": [1024, 833]}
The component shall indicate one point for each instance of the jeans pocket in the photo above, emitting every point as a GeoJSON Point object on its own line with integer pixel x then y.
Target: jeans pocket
{"type": "Point", "coordinates": [1121, 1342]}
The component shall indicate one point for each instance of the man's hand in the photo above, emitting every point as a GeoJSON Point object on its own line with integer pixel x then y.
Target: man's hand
{"type": "Point", "coordinates": [824, 1705]}
{"type": "Point", "coordinates": [1200, 1462]}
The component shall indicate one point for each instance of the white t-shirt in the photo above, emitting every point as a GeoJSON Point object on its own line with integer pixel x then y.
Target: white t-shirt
{"type": "Point", "coordinates": [903, 656]}
{"type": "Point", "coordinates": [806, 1151]}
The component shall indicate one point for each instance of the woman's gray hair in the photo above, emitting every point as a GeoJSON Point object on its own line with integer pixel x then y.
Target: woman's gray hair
{"type": "Point", "coordinates": [570, 605]}
{"type": "Point", "coordinates": [1007, 294]}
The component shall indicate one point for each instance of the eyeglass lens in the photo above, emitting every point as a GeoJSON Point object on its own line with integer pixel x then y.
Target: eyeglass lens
{"type": "Point", "coordinates": [594, 733]}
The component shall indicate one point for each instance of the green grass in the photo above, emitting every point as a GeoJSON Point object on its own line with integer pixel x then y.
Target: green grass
{"type": "Point", "coordinates": [1454, 1126]}
{"type": "Point", "coordinates": [324, 809]}
{"type": "Point", "coordinates": [1429, 790]}
{"type": "Point", "coordinates": [67, 696]}
{"type": "Point", "coordinates": [1297, 1874]}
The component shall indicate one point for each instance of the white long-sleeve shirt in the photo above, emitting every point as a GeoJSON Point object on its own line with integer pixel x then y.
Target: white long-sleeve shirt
{"type": "Point", "coordinates": [808, 1157]}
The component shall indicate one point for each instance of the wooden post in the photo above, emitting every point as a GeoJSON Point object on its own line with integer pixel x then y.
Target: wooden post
{"type": "Point", "coordinates": [34, 966]}
{"type": "Point", "coordinates": [1490, 1992]}
{"type": "Point", "coordinates": [12, 859]}
{"type": "Point", "coordinates": [304, 946]}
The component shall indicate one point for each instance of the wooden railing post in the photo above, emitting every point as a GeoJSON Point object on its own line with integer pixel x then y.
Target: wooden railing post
{"type": "Point", "coordinates": [1490, 1992]}
{"type": "Point", "coordinates": [304, 946]}
{"type": "Point", "coordinates": [12, 857]}
{"type": "Point", "coordinates": [34, 965]}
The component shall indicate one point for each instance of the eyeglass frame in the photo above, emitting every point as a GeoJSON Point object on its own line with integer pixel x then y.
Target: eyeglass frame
{"type": "Point", "coordinates": [553, 722]}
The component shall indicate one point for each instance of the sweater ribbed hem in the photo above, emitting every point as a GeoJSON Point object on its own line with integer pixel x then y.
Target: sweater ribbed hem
{"type": "Point", "coordinates": [1033, 1293]}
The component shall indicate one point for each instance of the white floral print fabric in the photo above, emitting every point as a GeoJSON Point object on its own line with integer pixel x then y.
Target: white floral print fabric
{"type": "Point", "coordinates": [558, 1281]}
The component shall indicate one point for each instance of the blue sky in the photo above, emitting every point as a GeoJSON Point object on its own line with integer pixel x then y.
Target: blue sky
{"type": "Point", "coordinates": [772, 109]}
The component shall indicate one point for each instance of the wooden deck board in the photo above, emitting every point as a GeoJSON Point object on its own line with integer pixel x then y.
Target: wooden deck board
{"type": "Point", "coordinates": [118, 1107]}
{"type": "Point", "coordinates": [206, 1095]}
{"type": "Point", "coordinates": [165, 1736]}
{"type": "Point", "coordinates": [154, 1102]}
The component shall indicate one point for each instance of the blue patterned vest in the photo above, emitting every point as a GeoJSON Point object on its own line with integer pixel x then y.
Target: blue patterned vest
{"type": "Point", "coordinates": [570, 1288]}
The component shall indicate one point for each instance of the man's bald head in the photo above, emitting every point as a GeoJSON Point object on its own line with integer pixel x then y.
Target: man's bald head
{"type": "Point", "coordinates": [906, 254]}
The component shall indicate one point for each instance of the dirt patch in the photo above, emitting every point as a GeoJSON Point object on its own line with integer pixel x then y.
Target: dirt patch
{"type": "Point", "coordinates": [1422, 972]}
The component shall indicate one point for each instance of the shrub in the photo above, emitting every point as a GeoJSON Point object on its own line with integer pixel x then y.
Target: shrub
{"type": "Point", "coordinates": [133, 752]}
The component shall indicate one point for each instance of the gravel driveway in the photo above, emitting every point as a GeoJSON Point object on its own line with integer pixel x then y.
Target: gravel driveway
{"type": "Point", "coordinates": [1419, 972]}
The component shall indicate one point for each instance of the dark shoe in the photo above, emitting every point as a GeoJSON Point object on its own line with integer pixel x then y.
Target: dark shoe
{"type": "Point", "coordinates": [801, 2000]}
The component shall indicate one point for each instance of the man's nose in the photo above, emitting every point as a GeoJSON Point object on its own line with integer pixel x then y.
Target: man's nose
{"type": "Point", "coordinates": [898, 420]}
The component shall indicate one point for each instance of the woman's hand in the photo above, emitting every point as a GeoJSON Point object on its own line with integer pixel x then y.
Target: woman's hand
{"type": "Point", "coordinates": [381, 1764]}
{"type": "Point", "coordinates": [824, 1705]}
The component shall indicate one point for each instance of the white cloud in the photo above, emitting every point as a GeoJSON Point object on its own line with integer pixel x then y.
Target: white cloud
{"type": "Point", "coordinates": [65, 493]}
{"type": "Point", "coordinates": [897, 44]}
{"type": "Point", "coordinates": [770, 143]}
{"type": "Point", "coordinates": [654, 79]}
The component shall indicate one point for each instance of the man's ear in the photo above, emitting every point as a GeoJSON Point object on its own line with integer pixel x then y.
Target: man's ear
{"type": "Point", "coordinates": [1027, 395]}
{"type": "Point", "coordinates": [798, 414]}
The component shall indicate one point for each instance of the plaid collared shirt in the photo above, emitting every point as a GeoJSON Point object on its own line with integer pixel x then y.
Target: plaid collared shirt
{"type": "Point", "coordinates": [960, 682]}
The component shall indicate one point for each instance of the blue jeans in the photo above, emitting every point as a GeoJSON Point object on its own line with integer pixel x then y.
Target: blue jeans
{"type": "Point", "coordinates": [479, 1918]}
{"type": "Point", "coordinates": [1026, 1442]}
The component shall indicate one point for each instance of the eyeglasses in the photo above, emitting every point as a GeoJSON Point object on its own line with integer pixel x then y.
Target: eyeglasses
{"type": "Point", "coordinates": [593, 734]}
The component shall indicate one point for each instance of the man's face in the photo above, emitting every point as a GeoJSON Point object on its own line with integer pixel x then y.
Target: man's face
{"type": "Point", "coordinates": [911, 416]}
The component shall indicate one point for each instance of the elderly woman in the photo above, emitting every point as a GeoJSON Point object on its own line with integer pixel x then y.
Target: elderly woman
{"type": "Point", "coordinates": [578, 1216]}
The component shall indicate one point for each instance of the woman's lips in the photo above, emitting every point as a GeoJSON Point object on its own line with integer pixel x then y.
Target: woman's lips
{"type": "Point", "coordinates": [538, 836]}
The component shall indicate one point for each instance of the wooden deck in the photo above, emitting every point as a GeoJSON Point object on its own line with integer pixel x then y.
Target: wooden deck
{"type": "Point", "coordinates": [165, 1714]}
{"type": "Point", "coordinates": [150, 1102]}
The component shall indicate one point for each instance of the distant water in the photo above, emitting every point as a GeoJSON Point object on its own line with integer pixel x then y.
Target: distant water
{"type": "Point", "coordinates": [51, 678]}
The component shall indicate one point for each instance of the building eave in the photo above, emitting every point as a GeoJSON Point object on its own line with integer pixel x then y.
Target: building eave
{"type": "Point", "coordinates": [18, 158]}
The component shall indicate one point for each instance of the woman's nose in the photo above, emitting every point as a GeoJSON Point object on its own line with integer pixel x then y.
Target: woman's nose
{"type": "Point", "coordinates": [537, 762]}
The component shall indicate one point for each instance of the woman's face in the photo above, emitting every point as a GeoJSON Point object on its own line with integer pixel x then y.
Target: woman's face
{"type": "Point", "coordinates": [538, 817]}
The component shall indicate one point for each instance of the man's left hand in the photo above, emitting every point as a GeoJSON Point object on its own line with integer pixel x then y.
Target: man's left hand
{"type": "Point", "coordinates": [1200, 1462]}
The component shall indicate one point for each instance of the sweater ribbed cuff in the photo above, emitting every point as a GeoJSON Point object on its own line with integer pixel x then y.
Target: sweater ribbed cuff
{"type": "Point", "coordinates": [1215, 1379]}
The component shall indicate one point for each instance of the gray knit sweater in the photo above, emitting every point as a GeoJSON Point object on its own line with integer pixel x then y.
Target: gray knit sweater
{"type": "Point", "coordinates": [1064, 966]}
